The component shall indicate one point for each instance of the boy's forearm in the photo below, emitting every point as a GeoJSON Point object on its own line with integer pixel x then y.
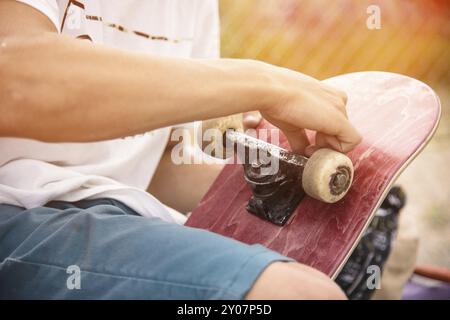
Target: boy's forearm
{"type": "Point", "coordinates": [55, 88]}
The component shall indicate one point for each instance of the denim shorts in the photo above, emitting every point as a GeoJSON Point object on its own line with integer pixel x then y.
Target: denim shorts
{"type": "Point", "coordinates": [101, 249]}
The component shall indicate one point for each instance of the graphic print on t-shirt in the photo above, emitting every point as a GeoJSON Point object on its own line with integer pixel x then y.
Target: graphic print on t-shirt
{"type": "Point", "coordinates": [75, 19]}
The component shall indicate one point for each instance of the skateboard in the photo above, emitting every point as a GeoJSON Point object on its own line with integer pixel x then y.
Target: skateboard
{"type": "Point", "coordinates": [396, 116]}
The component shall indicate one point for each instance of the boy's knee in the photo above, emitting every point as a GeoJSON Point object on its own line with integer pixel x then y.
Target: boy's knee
{"type": "Point", "coordinates": [281, 280]}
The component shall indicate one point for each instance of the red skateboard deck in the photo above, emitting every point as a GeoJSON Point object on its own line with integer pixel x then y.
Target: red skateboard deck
{"type": "Point", "coordinates": [396, 116]}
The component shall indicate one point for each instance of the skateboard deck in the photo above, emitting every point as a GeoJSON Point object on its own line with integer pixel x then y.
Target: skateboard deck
{"type": "Point", "coordinates": [396, 116]}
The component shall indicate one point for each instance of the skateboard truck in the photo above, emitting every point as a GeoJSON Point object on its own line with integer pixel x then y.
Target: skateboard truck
{"type": "Point", "coordinates": [278, 178]}
{"type": "Point", "coordinates": [274, 183]}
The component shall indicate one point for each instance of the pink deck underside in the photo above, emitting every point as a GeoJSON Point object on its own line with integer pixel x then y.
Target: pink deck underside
{"type": "Point", "coordinates": [394, 114]}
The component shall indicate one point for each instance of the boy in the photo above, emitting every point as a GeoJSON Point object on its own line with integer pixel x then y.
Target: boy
{"type": "Point", "coordinates": [76, 77]}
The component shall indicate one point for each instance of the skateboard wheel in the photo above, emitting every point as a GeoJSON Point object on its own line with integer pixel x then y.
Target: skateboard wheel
{"type": "Point", "coordinates": [212, 136]}
{"type": "Point", "coordinates": [327, 175]}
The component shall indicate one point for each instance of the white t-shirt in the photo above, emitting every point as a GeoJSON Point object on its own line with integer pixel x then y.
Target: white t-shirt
{"type": "Point", "coordinates": [32, 173]}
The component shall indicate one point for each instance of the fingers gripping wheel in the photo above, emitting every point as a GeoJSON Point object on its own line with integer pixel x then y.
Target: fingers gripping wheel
{"type": "Point", "coordinates": [213, 135]}
{"type": "Point", "coordinates": [327, 175]}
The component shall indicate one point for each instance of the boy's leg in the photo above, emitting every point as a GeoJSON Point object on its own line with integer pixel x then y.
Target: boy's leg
{"type": "Point", "coordinates": [121, 255]}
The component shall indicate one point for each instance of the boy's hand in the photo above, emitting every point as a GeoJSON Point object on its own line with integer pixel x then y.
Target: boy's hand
{"type": "Point", "coordinates": [306, 103]}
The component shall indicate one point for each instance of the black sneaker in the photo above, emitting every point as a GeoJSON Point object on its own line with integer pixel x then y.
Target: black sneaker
{"type": "Point", "coordinates": [373, 248]}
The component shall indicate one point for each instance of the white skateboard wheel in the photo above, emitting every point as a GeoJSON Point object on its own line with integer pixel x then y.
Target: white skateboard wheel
{"type": "Point", "coordinates": [327, 175]}
{"type": "Point", "coordinates": [212, 138]}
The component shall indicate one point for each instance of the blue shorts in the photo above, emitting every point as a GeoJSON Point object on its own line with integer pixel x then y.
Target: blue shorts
{"type": "Point", "coordinates": [101, 249]}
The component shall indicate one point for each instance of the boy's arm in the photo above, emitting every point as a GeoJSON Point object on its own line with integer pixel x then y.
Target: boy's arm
{"type": "Point", "coordinates": [56, 88]}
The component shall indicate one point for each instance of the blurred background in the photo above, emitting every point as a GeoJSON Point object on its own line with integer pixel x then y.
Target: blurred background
{"type": "Point", "coordinates": [325, 38]}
